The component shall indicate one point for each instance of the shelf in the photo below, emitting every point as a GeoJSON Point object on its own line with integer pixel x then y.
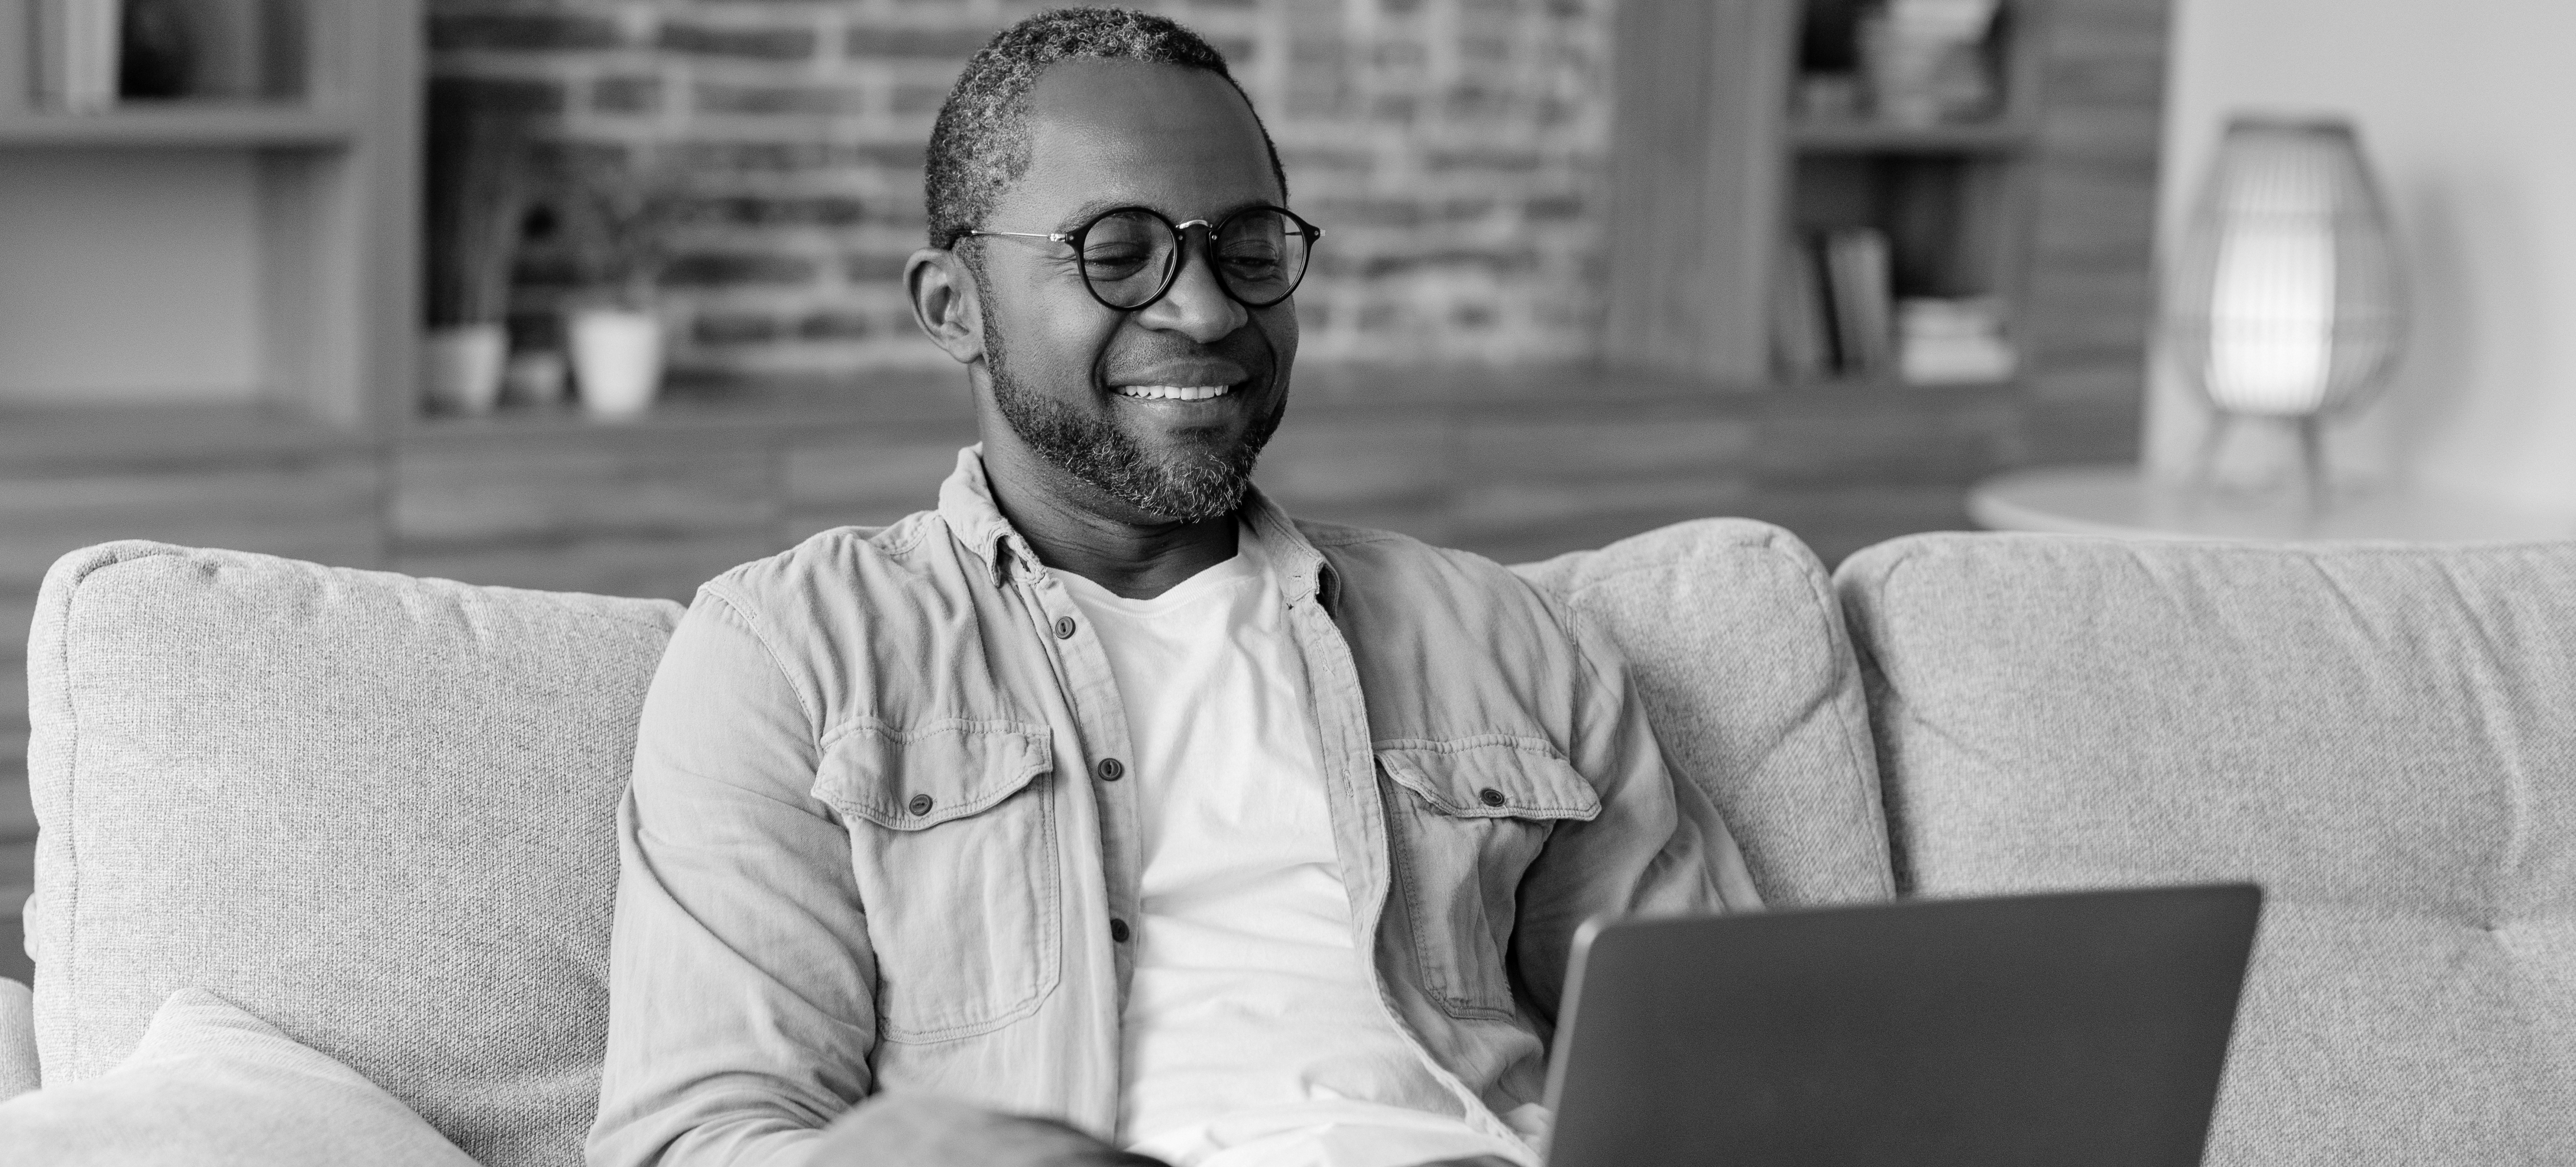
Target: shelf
{"type": "Point", "coordinates": [1891, 383]}
{"type": "Point", "coordinates": [935, 400]}
{"type": "Point", "coordinates": [211, 124]}
{"type": "Point", "coordinates": [892, 397]}
{"type": "Point", "coordinates": [1864, 137]}
{"type": "Point", "coordinates": [54, 438]}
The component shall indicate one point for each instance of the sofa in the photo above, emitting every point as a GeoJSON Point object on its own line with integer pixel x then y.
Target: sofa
{"type": "Point", "coordinates": [366, 820]}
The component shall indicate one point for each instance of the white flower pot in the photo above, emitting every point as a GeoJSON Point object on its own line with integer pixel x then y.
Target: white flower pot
{"type": "Point", "coordinates": [461, 366]}
{"type": "Point", "coordinates": [616, 360]}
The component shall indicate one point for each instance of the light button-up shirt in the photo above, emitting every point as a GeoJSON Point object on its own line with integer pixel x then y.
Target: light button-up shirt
{"type": "Point", "coordinates": [871, 842]}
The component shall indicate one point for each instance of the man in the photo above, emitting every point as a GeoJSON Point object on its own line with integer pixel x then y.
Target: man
{"type": "Point", "coordinates": [1103, 806]}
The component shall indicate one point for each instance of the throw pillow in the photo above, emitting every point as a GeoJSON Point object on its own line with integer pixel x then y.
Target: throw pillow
{"type": "Point", "coordinates": [213, 1086]}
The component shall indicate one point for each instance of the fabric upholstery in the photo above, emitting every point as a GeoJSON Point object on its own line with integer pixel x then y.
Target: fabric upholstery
{"type": "Point", "coordinates": [2382, 736]}
{"type": "Point", "coordinates": [1739, 653]}
{"type": "Point", "coordinates": [18, 1067]}
{"type": "Point", "coordinates": [376, 811]}
{"type": "Point", "coordinates": [213, 1086]}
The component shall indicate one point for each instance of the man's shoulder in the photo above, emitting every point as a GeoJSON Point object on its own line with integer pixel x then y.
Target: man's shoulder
{"type": "Point", "coordinates": [1397, 574]}
{"type": "Point", "coordinates": [1447, 641]}
{"type": "Point", "coordinates": [1378, 550]}
{"type": "Point", "coordinates": [841, 561]}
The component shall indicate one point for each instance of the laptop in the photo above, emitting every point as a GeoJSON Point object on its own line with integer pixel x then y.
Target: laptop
{"type": "Point", "coordinates": [2083, 1028]}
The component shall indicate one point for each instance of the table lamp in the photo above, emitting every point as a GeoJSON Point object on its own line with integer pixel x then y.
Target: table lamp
{"type": "Point", "coordinates": [2284, 301]}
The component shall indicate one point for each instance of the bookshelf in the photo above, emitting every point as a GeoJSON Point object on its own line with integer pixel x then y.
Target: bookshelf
{"type": "Point", "coordinates": [2034, 211]}
{"type": "Point", "coordinates": [255, 250]}
{"type": "Point", "coordinates": [244, 126]}
{"type": "Point", "coordinates": [1856, 136]}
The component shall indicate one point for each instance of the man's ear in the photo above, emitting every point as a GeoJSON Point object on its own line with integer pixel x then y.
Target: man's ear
{"type": "Point", "coordinates": [945, 302]}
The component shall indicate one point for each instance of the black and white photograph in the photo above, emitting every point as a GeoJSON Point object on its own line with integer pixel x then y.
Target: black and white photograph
{"type": "Point", "coordinates": [1287, 583]}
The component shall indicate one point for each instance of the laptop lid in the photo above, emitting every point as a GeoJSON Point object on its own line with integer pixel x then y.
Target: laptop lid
{"type": "Point", "coordinates": [2080, 1028]}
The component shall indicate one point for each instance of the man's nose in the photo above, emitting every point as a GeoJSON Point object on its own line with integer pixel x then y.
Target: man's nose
{"type": "Point", "coordinates": [1197, 306]}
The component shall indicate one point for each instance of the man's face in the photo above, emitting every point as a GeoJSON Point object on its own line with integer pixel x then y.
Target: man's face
{"type": "Point", "coordinates": [1091, 388]}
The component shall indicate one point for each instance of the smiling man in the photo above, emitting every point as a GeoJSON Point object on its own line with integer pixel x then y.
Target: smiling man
{"type": "Point", "coordinates": [1104, 814]}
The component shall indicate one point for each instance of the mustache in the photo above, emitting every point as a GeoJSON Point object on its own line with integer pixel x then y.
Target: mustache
{"type": "Point", "coordinates": [1233, 359]}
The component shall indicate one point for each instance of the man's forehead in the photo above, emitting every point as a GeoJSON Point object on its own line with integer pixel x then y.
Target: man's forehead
{"type": "Point", "coordinates": [1133, 131]}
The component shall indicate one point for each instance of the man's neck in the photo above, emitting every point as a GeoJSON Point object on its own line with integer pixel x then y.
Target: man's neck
{"type": "Point", "coordinates": [1074, 527]}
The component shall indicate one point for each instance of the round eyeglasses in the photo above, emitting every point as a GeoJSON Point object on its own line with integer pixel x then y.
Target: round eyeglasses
{"type": "Point", "coordinates": [1131, 256]}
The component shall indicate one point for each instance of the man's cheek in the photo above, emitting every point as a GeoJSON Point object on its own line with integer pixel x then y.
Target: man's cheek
{"type": "Point", "coordinates": [1278, 333]}
{"type": "Point", "coordinates": [1076, 351]}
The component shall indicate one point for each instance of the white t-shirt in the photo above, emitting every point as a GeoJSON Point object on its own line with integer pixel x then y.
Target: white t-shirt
{"type": "Point", "coordinates": [1253, 1035]}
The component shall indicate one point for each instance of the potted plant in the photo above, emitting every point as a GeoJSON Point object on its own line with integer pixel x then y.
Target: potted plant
{"type": "Point", "coordinates": [477, 194]}
{"type": "Point", "coordinates": [616, 217]}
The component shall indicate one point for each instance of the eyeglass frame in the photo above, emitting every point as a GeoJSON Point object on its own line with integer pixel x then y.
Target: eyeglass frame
{"type": "Point", "coordinates": [1181, 234]}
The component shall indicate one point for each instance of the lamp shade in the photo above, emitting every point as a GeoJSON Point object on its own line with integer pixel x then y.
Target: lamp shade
{"type": "Point", "coordinates": [2285, 299]}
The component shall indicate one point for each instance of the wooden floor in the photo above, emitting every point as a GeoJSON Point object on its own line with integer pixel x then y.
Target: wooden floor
{"type": "Point", "coordinates": [1518, 467]}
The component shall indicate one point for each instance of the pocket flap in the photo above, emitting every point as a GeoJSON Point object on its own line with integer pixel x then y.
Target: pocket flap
{"type": "Point", "coordinates": [884, 775]}
{"type": "Point", "coordinates": [1492, 777]}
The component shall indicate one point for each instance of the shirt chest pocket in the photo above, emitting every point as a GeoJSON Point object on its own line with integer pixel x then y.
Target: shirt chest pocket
{"type": "Point", "coordinates": [1465, 820]}
{"type": "Point", "coordinates": [953, 846]}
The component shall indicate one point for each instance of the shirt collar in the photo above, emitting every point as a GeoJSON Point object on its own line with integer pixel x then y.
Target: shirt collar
{"type": "Point", "coordinates": [966, 505]}
{"type": "Point", "coordinates": [1303, 570]}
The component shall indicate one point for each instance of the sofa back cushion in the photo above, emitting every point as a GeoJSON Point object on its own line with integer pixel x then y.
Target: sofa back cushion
{"type": "Point", "coordinates": [2384, 737]}
{"type": "Point", "coordinates": [376, 811]}
{"type": "Point", "coordinates": [1738, 653]}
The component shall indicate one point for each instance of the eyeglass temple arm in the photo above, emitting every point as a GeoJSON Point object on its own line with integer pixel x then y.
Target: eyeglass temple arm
{"type": "Point", "coordinates": [1049, 236]}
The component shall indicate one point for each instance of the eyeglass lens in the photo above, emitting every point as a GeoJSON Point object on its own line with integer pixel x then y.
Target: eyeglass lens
{"type": "Point", "coordinates": [1130, 257]}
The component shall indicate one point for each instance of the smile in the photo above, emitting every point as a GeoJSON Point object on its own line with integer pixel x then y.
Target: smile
{"type": "Point", "coordinates": [1174, 392]}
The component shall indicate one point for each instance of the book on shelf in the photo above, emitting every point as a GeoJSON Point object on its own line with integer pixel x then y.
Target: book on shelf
{"type": "Point", "coordinates": [90, 55]}
{"type": "Point", "coordinates": [1952, 341]}
{"type": "Point", "coordinates": [1858, 288]}
{"type": "Point", "coordinates": [1802, 343]}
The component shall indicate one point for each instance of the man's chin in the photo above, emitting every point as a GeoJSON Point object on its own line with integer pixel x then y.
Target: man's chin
{"type": "Point", "coordinates": [1185, 488]}
{"type": "Point", "coordinates": [1156, 461]}
{"type": "Point", "coordinates": [1183, 472]}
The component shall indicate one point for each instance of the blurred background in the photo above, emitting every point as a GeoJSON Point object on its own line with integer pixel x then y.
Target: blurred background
{"type": "Point", "coordinates": [601, 294]}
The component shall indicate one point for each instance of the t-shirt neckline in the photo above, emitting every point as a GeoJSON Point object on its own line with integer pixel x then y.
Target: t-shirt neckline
{"type": "Point", "coordinates": [1246, 564]}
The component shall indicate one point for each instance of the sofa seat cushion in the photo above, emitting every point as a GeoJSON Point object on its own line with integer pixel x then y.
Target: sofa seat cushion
{"type": "Point", "coordinates": [2383, 736]}
{"type": "Point", "coordinates": [1738, 653]}
{"type": "Point", "coordinates": [213, 1086]}
{"type": "Point", "coordinates": [376, 811]}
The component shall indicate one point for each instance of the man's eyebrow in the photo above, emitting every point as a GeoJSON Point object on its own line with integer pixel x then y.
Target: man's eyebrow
{"type": "Point", "coordinates": [1094, 207]}
{"type": "Point", "coordinates": [1088, 210]}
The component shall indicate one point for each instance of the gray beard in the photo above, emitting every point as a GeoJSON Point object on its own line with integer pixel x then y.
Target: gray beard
{"type": "Point", "coordinates": [1188, 488]}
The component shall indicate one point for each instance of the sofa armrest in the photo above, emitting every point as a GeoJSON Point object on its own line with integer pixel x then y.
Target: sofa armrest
{"type": "Point", "coordinates": [17, 1039]}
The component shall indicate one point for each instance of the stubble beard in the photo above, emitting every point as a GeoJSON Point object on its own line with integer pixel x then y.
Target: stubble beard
{"type": "Point", "coordinates": [1189, 487]}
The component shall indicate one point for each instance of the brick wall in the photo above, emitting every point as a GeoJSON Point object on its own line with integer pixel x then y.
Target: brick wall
{"type": "Point", "coordinates": [1452, 147]}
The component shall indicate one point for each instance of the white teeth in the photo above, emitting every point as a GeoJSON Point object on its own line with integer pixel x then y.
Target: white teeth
{"type": "Point", "coordinates": [1174, 392]}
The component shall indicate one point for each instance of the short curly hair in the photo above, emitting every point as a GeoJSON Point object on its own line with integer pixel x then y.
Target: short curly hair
{"type": "Point", "coordinates": [981, 143]}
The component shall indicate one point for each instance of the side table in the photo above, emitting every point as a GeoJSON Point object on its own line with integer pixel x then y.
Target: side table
{"type": "Point", "coordinates": [2123, 501]}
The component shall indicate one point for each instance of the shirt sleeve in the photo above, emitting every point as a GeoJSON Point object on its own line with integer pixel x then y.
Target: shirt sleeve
{"type": "Point", "coordinates": [740, 977]}
{"type": "Point", "coordinates": [1658, 847]}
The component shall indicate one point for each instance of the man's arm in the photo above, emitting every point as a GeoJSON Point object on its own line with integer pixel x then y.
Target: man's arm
{"type": "Point", "coordinates": [919, 1130]}
{"type": "Point", "coordinates": [740, 977]}
{"type": "Point", "coordinates": [1659, 846]}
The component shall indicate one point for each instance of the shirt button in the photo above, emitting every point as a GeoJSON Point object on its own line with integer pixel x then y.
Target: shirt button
{"type": "Point", "coordinates": [1111, 769]}
{"type": "Point", "coordinates": [921, 804]}
{"type": "Point", "coordinates": [1491, 796]}
{"type": "Point", "coordinates": [1063, 627]}
{"type": "Point", "coordinates": [1118, 931]}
